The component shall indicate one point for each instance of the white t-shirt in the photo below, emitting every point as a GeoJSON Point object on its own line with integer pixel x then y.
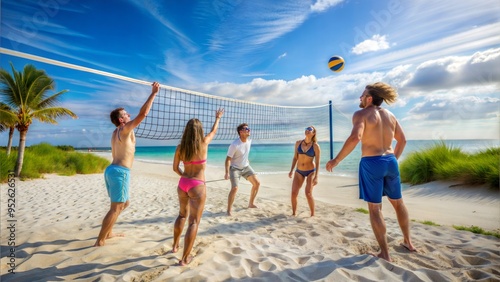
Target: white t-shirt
{"type": "Point", "coordinates": [238, 152]}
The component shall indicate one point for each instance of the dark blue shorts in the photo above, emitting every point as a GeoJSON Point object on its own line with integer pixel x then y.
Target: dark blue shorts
{"type": "Point", "coordinates": [378, 177]}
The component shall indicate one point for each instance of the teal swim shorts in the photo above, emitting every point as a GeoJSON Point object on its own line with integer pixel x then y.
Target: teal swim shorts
{"type": "Point", "coordinates": [117, 180]}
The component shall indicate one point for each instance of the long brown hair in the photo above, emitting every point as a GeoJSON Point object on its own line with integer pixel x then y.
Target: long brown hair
{"type": "Point", "coordinates": [192, 139]}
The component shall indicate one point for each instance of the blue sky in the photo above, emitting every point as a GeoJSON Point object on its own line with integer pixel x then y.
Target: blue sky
{"type": "Point", "coordinates": [443, 56]}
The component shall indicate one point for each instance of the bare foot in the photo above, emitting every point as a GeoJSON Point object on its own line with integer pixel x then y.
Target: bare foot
{"type": "Point", "coordinates": [252, 206]}
{"type": "Point", "coordinates": [382, 257]}
{"type": "Point", "coordinates": [229, 213]}
{"type": "Point", "coordinates": [409, 247]}
{"type": "Point", "coordinates": [111, 235]}
{"type": "Point", "coordinates": [186, 262]}
{"type": "Point", "coordinates": [99, 243]}
{"type": "Point", "coordinates": [175, 249]}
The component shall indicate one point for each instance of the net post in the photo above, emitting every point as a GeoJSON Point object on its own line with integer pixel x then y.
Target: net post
{"type": "Point", "coordinates": [330, 107]}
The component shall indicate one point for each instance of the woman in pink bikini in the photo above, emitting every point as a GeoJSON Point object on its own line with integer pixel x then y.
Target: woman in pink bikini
{"type": "Point", "coordinates": [192, 151]}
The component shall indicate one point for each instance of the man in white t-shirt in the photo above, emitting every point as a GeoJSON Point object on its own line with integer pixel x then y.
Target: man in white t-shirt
{"type": "Point", "coordinates": [237, 165]}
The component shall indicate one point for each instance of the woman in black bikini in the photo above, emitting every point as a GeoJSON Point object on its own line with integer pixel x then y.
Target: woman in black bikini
{"type": "Point", "coordinates": [306, 157]}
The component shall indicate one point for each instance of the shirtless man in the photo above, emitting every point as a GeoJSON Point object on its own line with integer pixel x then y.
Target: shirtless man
{"type": "Point", "coordinates": [117, 175]}
{"type": "Point", "coordinates": [376, 128]}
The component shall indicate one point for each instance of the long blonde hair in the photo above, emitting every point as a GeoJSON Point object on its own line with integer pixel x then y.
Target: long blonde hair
{"type": "Point", "coordinates": [382, 91]}
{"type": "Point", "coordinates": [192, 139]}
{"type": "Point", "coordinates": [314, 140]}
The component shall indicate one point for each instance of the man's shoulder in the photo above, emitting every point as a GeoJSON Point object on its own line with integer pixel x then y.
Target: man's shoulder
{"type": "Point", "coordinates": [235, 142]}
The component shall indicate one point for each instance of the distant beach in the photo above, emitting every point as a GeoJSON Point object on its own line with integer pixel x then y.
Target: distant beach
{"type": "Point", "coordinates": [277, 158]}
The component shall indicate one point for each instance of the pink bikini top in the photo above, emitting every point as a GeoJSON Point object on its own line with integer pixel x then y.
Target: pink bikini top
{"type": "Point", "coordinates": [196, 162]}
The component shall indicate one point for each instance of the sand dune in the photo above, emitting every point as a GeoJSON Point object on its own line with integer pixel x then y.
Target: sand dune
{"type": "Point", "coordinates": [58, 219]}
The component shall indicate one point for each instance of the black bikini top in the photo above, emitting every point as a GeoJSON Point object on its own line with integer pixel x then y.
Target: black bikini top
{"type": "Point", "coordinates": [309, 153]}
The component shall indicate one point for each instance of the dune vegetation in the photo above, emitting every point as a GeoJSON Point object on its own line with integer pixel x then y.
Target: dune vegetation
{"type": "Point", "coordinates": [442, 162]}
{"type": "Point", "coordinates": [44, 158]}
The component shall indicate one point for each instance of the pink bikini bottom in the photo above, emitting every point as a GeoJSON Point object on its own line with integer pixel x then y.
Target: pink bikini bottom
{"type": "Point", "coordinates": [185, 184]}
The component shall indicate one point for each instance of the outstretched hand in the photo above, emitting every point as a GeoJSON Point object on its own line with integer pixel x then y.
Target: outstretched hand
{"type": "Point", "coordinates": [219, 113]}
{"type": "Point", "coordinates": [155, 87]}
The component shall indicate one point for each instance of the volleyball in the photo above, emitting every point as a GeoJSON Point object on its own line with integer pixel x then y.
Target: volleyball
{"type": "Point", "coordinates": [336, 63]}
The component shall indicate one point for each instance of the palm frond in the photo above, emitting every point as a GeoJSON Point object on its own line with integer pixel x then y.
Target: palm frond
{"type": "Point", "coordinates": [8, 117]}
{"type": "Point", "coordinates": [49, 115]}
{"type": "Point", "coordinates": [50, 101]}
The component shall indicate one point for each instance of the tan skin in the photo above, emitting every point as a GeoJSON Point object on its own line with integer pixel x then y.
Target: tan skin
{"type": "Point", "coordinates": [122, 151]}
{"type": "Point", "coordinates": [192, 203]}
{"type": "Point", "coordinates": [304, 163]}
{"type": "Point", "coordinates": [376, 127]}
{"type": "Point", "coordinates": [244, 135]}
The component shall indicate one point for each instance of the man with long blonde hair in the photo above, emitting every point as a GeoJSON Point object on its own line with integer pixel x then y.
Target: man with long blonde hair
{"type": "Point", "coordinates": [376, 128]}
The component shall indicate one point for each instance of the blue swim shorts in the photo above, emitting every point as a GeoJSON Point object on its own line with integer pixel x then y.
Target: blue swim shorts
{"type": "Point", "coordinates": [378, 177]}
{"type": "Point", "coordinates": [117, 180]}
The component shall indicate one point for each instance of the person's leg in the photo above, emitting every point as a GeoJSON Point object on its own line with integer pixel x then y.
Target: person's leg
{"type": "Point", "coordinates": [379, 229]}
{"type": "Point", "coordinates": [298, 180]}
{"type": "Point", "coordinates": [181, 218]}
{"type": "Point", "coordinates": [309, 196]}
{"type": "Point", "coordinates": [392, 188]}
{"type": "Point", "coordinates": [108, 222]}
{"type": "Point", "coordinates": [404, 222]}
{"type": "Point", "coordinates": [197, 197]}
{"type": "Point", "coordinates": [255, 189]}
{"type": "Point", "coordinates": [234, 176]}
{"type": "Point", "coordinates": [230, 199]}
{"type": "Point", "coordinates": [111, 234]}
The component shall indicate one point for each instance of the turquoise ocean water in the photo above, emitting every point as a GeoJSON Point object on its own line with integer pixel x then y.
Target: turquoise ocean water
{"type": "Point", "coordinates": [277, 158]}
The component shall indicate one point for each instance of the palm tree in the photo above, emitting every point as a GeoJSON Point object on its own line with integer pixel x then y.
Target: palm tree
{"type": "Point", "coordinates": [26, 93]}
{"type": "Point", "coordinates": [7, 120]}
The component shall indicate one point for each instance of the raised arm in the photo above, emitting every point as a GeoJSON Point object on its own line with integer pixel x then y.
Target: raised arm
{"type": "Point", "coordinates": [143, 112]}
{"type": "Point", "coordinates": [218, 115]}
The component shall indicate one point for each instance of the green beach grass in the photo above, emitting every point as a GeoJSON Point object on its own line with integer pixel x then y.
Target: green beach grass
{"type": "Point", "coordinates": [442, 162]}
{"type": "Point", "coordinates": [44, 158]}
{"type": "Point", "coordinates": [473, 229]}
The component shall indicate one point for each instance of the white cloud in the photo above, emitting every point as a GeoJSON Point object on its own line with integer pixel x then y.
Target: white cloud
{"type": "Point", "coordinates": [481, 68]}
{"type": "Point", "coordinates": [323, 5]}
{"type": "Point", "coordinates": [376, 43]}
{"type": "Point", "coordinates": [461, 108]}
{"type": "Point", "coordinates": [282, 56]}
{"type": "Point", "coordinates": [467, 41]}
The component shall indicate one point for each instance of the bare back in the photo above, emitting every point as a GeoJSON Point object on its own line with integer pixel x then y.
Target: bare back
{"type": "Point", "coordinates": [123, 147]}
{"type": "Point", "coordinates": [380, 127]}
{"type": "Point", "coordinates": [195, 170]}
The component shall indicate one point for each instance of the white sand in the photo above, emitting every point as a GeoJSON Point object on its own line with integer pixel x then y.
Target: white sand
{"type": "Point", "coordinates": [59, 217]}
